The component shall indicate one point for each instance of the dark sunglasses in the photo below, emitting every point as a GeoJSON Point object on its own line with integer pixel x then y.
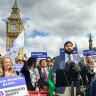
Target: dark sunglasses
{"type": "Point", "coordinates": [48, 61]}
{"type": "Point", "coordinates": [19, 60]}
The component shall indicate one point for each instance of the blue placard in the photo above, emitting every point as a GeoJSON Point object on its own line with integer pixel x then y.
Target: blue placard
{"type": "Point", "coordinates": [91, 52]}
{"type": "Point", "coordinates": [18, 67]}
{"type": "Point", "coordinates": [12, 81]}
{"type": "Point", "coordinates": [75, 50]}
{"type": "Point", "coordinates": [39, 54]}
{"type": "Point", "coordinates": [62, 50]}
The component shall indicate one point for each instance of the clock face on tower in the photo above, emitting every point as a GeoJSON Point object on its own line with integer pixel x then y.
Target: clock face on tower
{"type": "Point", "coordinates": [13, 27]}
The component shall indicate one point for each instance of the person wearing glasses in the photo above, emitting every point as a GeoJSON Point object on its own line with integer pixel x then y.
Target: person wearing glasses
{"type": "Point", "coordinates": [49, 62]}
{"type": "Point", "coordinates": [90, 62]}
{"type": "Point", "coordinates": [43, 75]}
{"type": "Point", "coordinates": [92, 66]}
{"type": "Point", "coordinates": [18, 60]}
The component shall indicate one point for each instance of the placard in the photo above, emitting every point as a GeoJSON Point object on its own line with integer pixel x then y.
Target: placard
{"type": "Point", "coordinates": [13, 86]}
{"type": "Point", "coordinates": [39, 54]}
{"type": "Point", "coordinates": [18, 67]}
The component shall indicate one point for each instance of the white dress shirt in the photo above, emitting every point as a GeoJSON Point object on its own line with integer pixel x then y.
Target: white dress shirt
{"type": "Point", "coordinates": [67, 57]}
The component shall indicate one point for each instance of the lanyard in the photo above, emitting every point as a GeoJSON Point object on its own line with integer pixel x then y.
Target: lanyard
{"type": "Point", "coordinates": [46, 75]}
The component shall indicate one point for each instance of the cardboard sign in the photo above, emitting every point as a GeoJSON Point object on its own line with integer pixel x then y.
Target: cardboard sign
{"type": "Point", "coordinates": [18, 67]}
{"type": "Point", "coordinates": [13, 86]}
{"type": "Point", "coordinates": [39, 54]}
{"type": "Point", "coordinates": [91, 52]}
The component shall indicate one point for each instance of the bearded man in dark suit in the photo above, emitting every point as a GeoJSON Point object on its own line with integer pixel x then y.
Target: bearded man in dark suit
{"type": "Point", "coordinates": [60, 64]}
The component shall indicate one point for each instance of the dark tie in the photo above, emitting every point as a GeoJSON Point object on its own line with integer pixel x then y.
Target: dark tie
{"type": "Point", "coordinates": [69, 57]}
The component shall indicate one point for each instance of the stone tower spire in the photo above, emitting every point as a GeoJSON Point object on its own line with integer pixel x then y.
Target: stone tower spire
{"type": "Point", "coordinates": [90, 42]}
{"type": "Point", "coordinates": [15, 9]}
{"type": "Point", "coordinates": [15, 5]}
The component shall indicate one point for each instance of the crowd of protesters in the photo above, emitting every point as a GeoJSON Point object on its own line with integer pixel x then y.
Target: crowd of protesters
{"type": "Point", "coordinates": [38, 73]}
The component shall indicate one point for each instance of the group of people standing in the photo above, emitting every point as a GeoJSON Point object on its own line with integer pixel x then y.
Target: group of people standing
{"type": "Point", "coordinates": [60, 62]}
{"type": "Point", "coordinates": [36, 72]}
{"type": "Point", "coordinates": [41, 74]}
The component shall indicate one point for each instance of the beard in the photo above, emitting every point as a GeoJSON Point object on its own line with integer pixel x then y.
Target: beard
{"type": "Point", "coordinates": [69, 51]}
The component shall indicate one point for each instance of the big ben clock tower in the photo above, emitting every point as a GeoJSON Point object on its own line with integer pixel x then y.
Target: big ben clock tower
{"type": "Point", "coordinates": [14, 26]}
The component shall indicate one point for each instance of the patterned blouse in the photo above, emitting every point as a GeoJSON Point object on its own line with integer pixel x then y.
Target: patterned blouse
{"type": "Point", "coordinates": [33, 73]}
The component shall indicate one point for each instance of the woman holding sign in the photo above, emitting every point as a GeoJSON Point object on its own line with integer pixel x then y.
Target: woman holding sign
{"type": "Point", "coordinates": [7, 67]}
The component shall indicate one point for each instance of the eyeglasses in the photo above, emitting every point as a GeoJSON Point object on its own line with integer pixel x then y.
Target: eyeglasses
{"type": "Point", "coordinates": [48, 61]}
{"type": "Point", "coordinates": [19, 60]}
{"type": "Point", "coordinates": [91, 62]}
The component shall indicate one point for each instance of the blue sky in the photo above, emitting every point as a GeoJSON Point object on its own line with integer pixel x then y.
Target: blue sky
{"type": "Point", "coordinates": [37, 33]}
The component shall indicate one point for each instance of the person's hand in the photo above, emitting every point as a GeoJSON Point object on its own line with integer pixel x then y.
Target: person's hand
{"type": "Point", "coordinates": [45, 88]}
{"type": "Point", "coordinates": [36, 90]}
{"type": "Point", "coordinates": [24, 58]}
{"type": "Point", "coordinates": [54, 80]}
{"type": "Point", "coordinates": [55, 93]}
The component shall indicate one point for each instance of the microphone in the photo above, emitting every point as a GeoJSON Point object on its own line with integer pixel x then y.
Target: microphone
{"type": "Point", "coordinates": [85, 68]}
{"type": "Point", "coordinates": [67, 66]}
{"type": "Point", "coordinates": [72, 66]}
{"type": "Point", "coordinates": [77, 68]}
{"type": "Point", "coordinates": [82, 64]}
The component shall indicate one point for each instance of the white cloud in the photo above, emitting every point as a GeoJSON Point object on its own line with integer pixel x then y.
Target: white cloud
{"type": "Point", "coordinates": [62, 19]}
{"type": "Point", "coordinates": [29, 26]}
{"type": "Point", "coordinates": [50, 44]}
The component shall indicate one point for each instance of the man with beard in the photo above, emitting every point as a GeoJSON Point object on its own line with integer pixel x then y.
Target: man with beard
{"type": "Point", "coordinates": [60, 64]}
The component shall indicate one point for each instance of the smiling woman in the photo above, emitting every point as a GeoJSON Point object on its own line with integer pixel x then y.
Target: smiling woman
{"type": "Point", "coordinates": [7, 67]}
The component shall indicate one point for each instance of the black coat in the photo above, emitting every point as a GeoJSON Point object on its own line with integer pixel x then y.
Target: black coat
{"type": "Point", "coordinates": [26, 73]}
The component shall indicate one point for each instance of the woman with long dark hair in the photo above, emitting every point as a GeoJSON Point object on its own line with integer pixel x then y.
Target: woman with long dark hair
{"type": "Point", "coordinates": [30, 72]}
